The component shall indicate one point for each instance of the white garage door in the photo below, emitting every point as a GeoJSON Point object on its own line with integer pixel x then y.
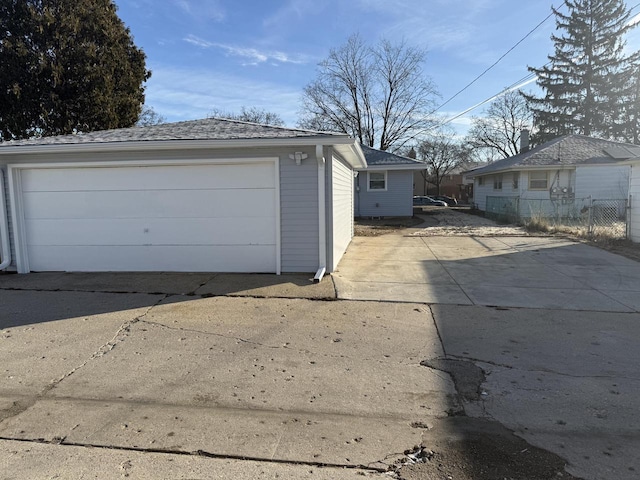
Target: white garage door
{"type": "Point", "coordinates": [218, 218]}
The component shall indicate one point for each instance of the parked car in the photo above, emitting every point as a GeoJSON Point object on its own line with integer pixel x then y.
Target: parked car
{"type": "Point", "coordinates": [452, 202]}
{"type": "Point", "coordinates": [425, 200]}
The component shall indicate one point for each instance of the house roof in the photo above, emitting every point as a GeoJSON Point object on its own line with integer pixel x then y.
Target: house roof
{"type": "Point", "coordinates": [206, 133]}
{"type": "Point", "coordinates": [561, 152]}
{"type": "Point", "coordinates": [381, 160]}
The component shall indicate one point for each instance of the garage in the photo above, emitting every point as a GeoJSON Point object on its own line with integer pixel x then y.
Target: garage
{"type": "Point", "coordinates": [198, 217]}
{"type": "Point", "coordinates": [210, 195]}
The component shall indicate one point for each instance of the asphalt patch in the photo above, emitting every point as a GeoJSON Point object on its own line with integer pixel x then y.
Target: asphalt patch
{"type": "Point", "coordinates": [467, 376]}
{"type": "Point", "coordinates": [465, 448]}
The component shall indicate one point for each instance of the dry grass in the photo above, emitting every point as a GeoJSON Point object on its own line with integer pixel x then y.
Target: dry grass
{"type": "Point", "coordinates": [373, 227]}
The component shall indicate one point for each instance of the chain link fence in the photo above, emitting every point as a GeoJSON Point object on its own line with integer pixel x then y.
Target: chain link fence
{"type": "Point", "coordinates": [603, 217]}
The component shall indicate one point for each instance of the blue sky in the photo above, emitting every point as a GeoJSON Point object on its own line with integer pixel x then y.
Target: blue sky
{"type": "Point", "coordinates": [225, 54]}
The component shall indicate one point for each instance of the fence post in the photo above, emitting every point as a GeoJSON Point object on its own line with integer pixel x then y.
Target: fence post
{"type": "Point", "coordinates": [628, 217]}
{"type": "Point", "coordinates": [590, 227]}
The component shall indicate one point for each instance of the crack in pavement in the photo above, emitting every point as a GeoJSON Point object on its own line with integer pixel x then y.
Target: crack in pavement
{"type": "Point", "coordinates": [198, 453]}
{"type": "Point", "coordinates": [120, 335]}
{"type": "Point", "coordinates": [277, 347]}
{"type": "Point", "coordinates": [214, 334]}
{"type": "Point", "coordinates": [21, 406]}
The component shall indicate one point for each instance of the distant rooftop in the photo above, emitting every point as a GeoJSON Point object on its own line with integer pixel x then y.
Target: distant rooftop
{"type": "Point", "coordinates": [380, 158]}
{"type": "Point", "coordinates": [564, 151]}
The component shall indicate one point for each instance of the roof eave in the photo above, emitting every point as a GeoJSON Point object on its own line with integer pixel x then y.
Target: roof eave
{"type": "Point", "coordinates": [370, 168]}
{"type": "Point", "coordinates": [125, 146]}
{"type": "Point", "coordinates": [629, 161]}
{"type": "Point", "coordinates": [350, 150]}
{"type": "Point", "coordinates": [521, 168]}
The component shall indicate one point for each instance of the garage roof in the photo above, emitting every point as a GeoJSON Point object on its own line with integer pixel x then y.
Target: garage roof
{"type": "Point", "coordinates": [206, 133]}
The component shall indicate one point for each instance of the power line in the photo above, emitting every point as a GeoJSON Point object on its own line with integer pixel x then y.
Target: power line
{"type": "Point", "coordinates": [514, 86]}
{"type": "Point", "coordinates": [499, 60]}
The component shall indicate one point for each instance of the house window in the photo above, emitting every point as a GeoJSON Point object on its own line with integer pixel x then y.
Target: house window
{"type": "Point", "coordinates": [377, 181]}
{"type": "Point", "coordinates": [538, 180]}
{"type": "Point", "coordinates": [480, 180]}
{"type": "Point", "coordinates": [497, 182]}
{"type": "Point", "coordinates": [516, 181]}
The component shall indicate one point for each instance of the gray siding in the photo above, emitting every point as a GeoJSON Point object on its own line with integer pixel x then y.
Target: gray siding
{"type": "Point", "coordinates": [605, 182]}
{"type": "Point", "coordinates": [298, 192]}
{"type": "Point", "coordinates": [299, 214]}
{"type": "Point", "coordinates": [342, 209]}
{"type": "Point", "coordinates": [396, 201]}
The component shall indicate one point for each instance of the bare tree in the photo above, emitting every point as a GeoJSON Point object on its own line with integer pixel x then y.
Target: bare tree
{"type": "Point", "coordinates": [442, 156]}
{"type": "Point", "coordinates": [250, 114]}
{"type": "Point", "coordinates": [378, 94]}
{"type": "Point", "coordinates": [497, 133]}
{"type": "Point", "coordinates": [149, 117]}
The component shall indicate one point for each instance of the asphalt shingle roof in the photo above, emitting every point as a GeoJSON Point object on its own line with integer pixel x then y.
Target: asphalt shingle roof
{"type": "Point", "coordinates": [376, 158]}
{"type": "Point", "coordinates": [564, 151]}
{"type": "Point", "coordinates": [206, 129]}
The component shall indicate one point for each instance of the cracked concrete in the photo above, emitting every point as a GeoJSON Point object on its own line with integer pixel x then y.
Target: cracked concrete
{"type": "Point", "coordinates": [53, 461]}
{"type": "Point", "coordinates": [320, 383]}
{"type": "Point", "coordinates": [180, 379]}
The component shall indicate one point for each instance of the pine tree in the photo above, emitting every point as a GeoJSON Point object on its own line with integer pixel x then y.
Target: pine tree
{"type": "Point", "coordinates": [67, 66]}
{"type": "Point", "coordinates": [587, 78]}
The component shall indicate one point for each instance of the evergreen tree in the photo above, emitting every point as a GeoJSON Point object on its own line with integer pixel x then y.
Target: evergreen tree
{"type": "Point", "coordinates": [631, 109]}
{"type": "Point", "coordinates": [587, 79]}
{"type": "Point", "coordinates": [67, 66]}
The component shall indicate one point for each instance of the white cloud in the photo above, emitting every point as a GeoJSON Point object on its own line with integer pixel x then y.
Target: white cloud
{"type": "Point", "coordinates": [253, 55]}
{"type": "Point", "coordinates": [202, 9]}
{"type": "Point", "coordinates": [293, 12]}
{"type": "Point", "coordinates": [183, 94]}
{"type": "Point", "coordinates": [197, 41]}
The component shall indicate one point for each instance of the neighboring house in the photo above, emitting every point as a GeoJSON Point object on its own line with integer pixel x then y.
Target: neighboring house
{"type": "Point", "coordinates": [559, 172]}
{"type": "Point", "coordinates": [452, 185]}
{"type": "Point", "coordinates": [385, 187]}
{"type": "Point", "coordinates": [204, 195]}
{"type": "Point", "coordinates": [634, 201]}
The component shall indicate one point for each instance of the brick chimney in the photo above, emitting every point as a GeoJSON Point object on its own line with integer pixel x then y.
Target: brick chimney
{"type": "Point", "coordinates": [524, 140]}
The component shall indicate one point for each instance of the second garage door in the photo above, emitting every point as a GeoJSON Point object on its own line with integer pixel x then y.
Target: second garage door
{"type": "Point", "coordinates": [200, 217]}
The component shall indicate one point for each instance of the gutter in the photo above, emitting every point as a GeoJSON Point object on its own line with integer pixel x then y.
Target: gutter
{"type": "Point", "coordinates": [322, 215]}
{"type": "Point", "coordinates": [5, 247]}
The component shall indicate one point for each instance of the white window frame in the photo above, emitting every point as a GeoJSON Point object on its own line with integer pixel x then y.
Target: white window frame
{"type": "Point", "coordinates": [515, 182]}
{"type": "Point", "coordinates": [497, 182]}
{"type": "Point", "coordinates": [546, 180]}
{"type": "Point", "coordinates": [369, 189]}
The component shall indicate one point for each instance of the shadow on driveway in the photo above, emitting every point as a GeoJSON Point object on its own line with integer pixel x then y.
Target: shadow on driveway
{"type": "Point", "coordinates": [42, 297]}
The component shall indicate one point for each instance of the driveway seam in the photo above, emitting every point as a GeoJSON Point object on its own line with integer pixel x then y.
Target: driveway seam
{"type": "Point", "coordinates": [446, 270]}
{"type": "Point", "coordinates": [435, 324]}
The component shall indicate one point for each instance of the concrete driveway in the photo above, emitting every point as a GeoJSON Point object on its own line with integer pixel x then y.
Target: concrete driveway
{"type": "Point", "coordinates": [511, 271]}
{"type": "Point", "coordinates": [232, 376]}
{"type": "Point", "coordinates": [552, 323]}
{"type": "Point", "coordinates": [101, 373]}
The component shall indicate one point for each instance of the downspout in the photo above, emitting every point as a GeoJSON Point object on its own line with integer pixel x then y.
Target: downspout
{"type": "Point", "coordinates": [322, 217]}
{"type": "Point", "coordinates": [5, 247]}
